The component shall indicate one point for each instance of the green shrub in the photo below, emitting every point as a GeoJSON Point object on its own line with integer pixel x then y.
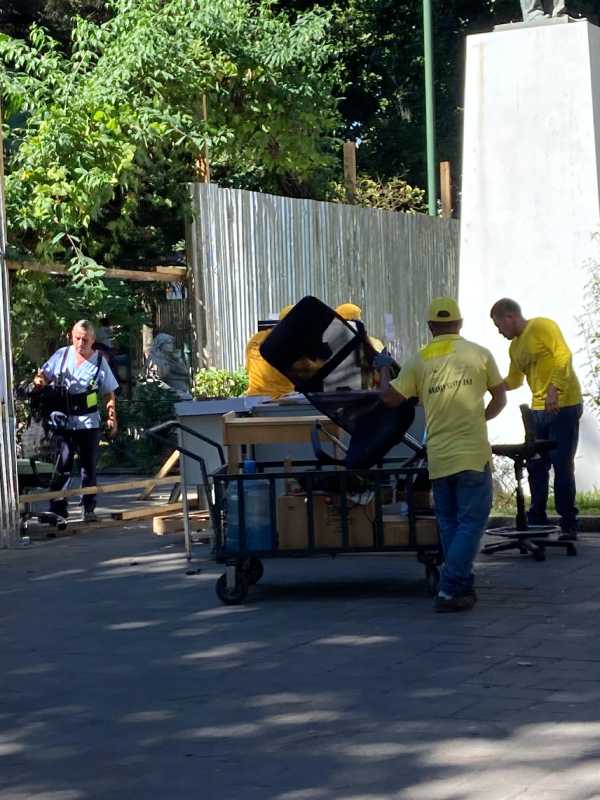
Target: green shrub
{"type": "Point", "coordinates": [394, 194]}
{"type": "Point", "coordinates": [218, 383]}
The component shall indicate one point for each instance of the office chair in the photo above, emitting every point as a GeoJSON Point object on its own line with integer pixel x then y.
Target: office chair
{"type": "Point", "coordinates": [526, 538]}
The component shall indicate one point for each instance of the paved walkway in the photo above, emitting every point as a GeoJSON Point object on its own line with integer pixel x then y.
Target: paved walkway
{"type": "Point", "coordinates": [123, 677]}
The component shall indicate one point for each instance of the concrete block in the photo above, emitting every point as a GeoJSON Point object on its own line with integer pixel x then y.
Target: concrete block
{"type": "Point", "coordinates": [530, 211]}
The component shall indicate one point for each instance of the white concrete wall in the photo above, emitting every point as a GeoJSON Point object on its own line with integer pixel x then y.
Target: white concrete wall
{"type": "Point", "coordinates": [530, 196]}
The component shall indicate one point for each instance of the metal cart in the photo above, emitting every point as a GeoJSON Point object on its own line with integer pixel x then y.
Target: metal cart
{"type": "Point", "coordinates": [244, 564]}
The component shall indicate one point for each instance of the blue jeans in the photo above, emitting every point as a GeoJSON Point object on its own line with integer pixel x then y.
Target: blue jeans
{"type": "Point", "coordinates": [562, 428]}
{"type": "Point", "coordinates": [462, 505]}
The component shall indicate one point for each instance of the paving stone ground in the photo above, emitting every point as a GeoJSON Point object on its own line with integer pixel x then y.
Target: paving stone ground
{"type": "Point", "coordinates": [123, 677]}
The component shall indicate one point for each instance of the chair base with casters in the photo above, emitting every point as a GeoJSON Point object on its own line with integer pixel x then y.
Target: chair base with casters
{"type": "Point", "coordinates": [36, 476]}
{"type": "Point", "coordinates": [527, 539]}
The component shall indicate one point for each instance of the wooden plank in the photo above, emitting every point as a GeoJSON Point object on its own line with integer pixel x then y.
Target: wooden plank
{"type": "Point", "coordinates": [284, 430]}
{"type": "Point", "coordinates": [40, 532]}
{"type": "Point", "coordinates": [152, 511]}
{"type": "Point", "coordinates": [174, 523]}
{"type": "Point", "coordinates": [106, 488]}
{"type": "Point", "coordinates": [168, 465]}
{"type": "Point", "coordinates": [446, 189]}
{"type": "Point", "coordinates": [161, 274]}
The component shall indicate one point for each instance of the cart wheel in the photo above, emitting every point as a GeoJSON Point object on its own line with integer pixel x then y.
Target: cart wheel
{"type": "Point", "coordinates": [432, 576]}
{"type": "Point", "coordinates": [253, 570]}
{"type": "Point", "coordinates": [232, 597]}
{"type": "Point", "coordinates": [571, 550]}
{"type": "Point", "coordinates": [539, 555]}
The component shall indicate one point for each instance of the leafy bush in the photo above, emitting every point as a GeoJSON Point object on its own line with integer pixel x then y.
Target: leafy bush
{"type": "Point", "coordinates": [217, 383]}
{"type": "Point", "coordinates": [392, 195]}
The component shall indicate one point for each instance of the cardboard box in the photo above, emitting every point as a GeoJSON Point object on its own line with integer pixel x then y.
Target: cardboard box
{"type": "Point", "coordinates": [395, 531]}
{"type": "Point", "coordinates": [422, 501]}
{"type": "Point", "coordinates": [292, 522]}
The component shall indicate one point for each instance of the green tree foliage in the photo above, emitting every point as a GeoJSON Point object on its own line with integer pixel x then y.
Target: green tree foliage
{"type": "Point", "coordinates": [381, 44]}
{"type": "Point", "coordinates": [102, 135]}
{"type": "Point", "coordinates": [124, 105]}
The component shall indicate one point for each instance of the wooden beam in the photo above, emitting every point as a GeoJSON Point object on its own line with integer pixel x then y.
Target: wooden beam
{"type": "Point", "coordinates": [168, 465]}
{"type": "Point", "coordinates": [162, 274]}
{"type": "Point", "coordinates": [446, 189]}
{"type": "Point", "coordinates": [174, 524]}
{"type": "Point", "coordinates": [106, 488]}
{"type": "Point", "coordinates": [152, 511]}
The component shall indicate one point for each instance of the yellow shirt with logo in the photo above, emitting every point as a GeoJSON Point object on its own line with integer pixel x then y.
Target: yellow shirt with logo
{"type": "Point", "coordinates": [541, 355]}
{"type": "Point", "coordinates": [263, 379]}
{"type": "Point", "coordinates": [450, 376]}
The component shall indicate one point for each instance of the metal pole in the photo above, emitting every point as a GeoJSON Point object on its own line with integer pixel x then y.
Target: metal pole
{"type": "Point", "coordinates": [187, 533]}
{"type": "Point", "coordinates": [429, 109]}
{"type": "Point", "coordinates": [9, 492]}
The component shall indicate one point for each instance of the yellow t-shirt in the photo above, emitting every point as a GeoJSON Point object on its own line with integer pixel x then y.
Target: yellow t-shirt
{"type": "Point", "coordinates": [450, 376]}
{"type": "Point", "coordinates": [263, 379]}
{"type": "Point", "coordinates": [541, 355]}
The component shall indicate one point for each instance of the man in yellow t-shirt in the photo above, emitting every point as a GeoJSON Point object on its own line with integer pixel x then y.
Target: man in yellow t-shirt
{"type": "Point", "coordinates": [539, 353]}
{"type": "Point", "coordinates": [263, 379]}
{"type": "Point", "coordinates": [451, 377]}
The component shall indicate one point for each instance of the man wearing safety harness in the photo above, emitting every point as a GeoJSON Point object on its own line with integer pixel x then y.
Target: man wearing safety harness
{"type": "Point", "coordinates": [451, 376]}
{"type": "Point", "coordinates": [84, 380]}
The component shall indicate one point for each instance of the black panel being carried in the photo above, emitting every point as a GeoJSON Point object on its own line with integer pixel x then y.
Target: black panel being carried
{"type": "Point", "coordinates": [307, 346]}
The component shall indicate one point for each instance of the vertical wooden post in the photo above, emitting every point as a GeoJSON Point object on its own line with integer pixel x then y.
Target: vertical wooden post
{"type": "Point", "coordinates": [9, 494]}
{"type": "Point", "coordinates": [350, 171]}
{"type": "Point", "coordinates": [446, 189]}
{"type": "Point", "coordinates": [202, 167]}
{"type": "Point", "coordinates": [195, 283]}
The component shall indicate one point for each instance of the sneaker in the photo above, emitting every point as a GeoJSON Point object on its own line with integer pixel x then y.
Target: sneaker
{"type": "Point", "coordinates": [90, 516]}
{"type": "Point", "coordinates": [443, 604]}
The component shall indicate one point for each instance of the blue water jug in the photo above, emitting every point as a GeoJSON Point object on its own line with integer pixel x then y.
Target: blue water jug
{"type": "Point", "coordinates": [257, 513]}
{"type": "Point", "coordinates": [232, 527]}
{"type": "Point", "coordinates": [259, 529]}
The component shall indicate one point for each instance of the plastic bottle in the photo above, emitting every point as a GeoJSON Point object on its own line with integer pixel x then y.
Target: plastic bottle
{"type": "Point", "coordinates": [259, 530]}
{"type": "Point", "coordinates": [232, 530]}
{"type": "Point", "coordinates": [257, 513]}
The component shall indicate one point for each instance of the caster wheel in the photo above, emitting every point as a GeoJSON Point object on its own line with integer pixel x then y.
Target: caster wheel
{"type": "Point", "coordinates": [432, 576]}
{"type": "Point", "coordinates": [253, 570]}
{"type": "Point", "coordinates": [539, 555]}
{"type": "Point", "coordinates": [571, 550]}
{"type": "Point", "coordinates": [232, 597]}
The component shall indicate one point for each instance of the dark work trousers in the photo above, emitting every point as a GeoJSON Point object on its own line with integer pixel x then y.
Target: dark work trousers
{"type": "Point", "coordinates": [562, 428]}
{"type": "Point", "coordinates": [84, 442]}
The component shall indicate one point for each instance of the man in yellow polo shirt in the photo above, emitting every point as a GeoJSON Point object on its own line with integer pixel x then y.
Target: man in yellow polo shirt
{"type": "Point", "coordinates": [539, 353]}
{"type": "Point", "coordinates": [451, 377]}
{"type": "Point", "coordinates": [263, 379]}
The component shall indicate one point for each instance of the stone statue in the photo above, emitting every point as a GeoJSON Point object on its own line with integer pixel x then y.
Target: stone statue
{"type": "Point", "coordinates": [166, 365]}
{"type": "Point", "coordinates": [538, 10]}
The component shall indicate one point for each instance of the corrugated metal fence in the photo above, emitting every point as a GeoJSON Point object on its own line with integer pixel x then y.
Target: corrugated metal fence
{"type": "Point", "coordinates": [251, 254]}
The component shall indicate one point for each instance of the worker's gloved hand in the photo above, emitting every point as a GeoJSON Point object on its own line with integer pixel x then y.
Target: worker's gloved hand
{"type": "Point", "coordinates": [383, 359]}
